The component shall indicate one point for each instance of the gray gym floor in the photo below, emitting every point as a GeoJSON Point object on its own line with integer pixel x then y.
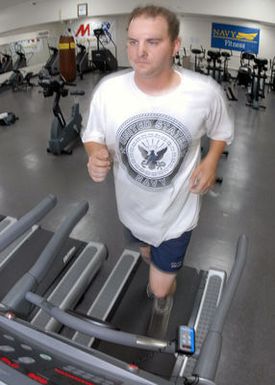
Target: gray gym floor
{"type": "Point", "coordinates": [243, 203]}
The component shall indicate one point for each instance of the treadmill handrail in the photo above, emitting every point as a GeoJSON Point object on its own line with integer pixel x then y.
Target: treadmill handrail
{"type": "Point", "coordinates": [15, 298]}
{"type": "Point", "coordinates": [97, 331]}
{"type": "Point", "coordinates": [27, 221]}
{"type": "Point", "coordinates": [207, 362]}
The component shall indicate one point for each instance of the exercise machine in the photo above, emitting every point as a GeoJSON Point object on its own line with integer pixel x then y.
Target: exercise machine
{"type": "Point", "coordinates": [18, 79]}
{"type": "Point", "coordinates": [226, 76]}
{"type": "Point", "coordinates": [244, 77]}
{"type": "Point", "coordinates": [199, 59]}
{"type": "Point", "coordinates": [205, 142]}
{"type": "Point", "coordinates": [6, 63]}
{"type": "Point", "coordinates": [101, 352]}
{"type": "Point", "coordinates": [217, 68]}
{"type": "Point", "coordinates": [63, 134]}
{"type": "Point", "coordinates": [214, 65]}
{"type": "Point", "coordinates": [103, 58]}
{"type": "Point", "coordinates": [21, 61]}
{"type": "Point", "coordinates": [60, 268]}
{"type": "Point", "coordinates": [83, 64]}
{"type": "Point", "coordinates": [51, 68]}
{"type": "Point", "coordinates": [52, 64]}
{"type": "Point", "coordinates": [256, 91]}
{"type": "Point", "coordinates": [7, 118]}
{"type": "Point", "coordinates": [185, 59]}
{"type": "Point", "coordinates": [272, 74]}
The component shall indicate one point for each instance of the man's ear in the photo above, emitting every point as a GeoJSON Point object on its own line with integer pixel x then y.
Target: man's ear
{"type": "Point", "coordinates": [177, 44]}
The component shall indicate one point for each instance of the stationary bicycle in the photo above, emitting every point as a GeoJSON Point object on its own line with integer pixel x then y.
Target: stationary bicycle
{"type": "Point", "coordinates": [63, 134]}
{"type": "Point", "coordinates": [199, 58]}
{"type": "Point", "coordinates": [244, 77]}
{"type": "Point", "coordinates": [256, 92]}
{"type": "Point", "coordinates": [214, 65]}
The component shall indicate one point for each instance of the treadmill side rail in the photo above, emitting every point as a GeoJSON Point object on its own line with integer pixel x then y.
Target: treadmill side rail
{"type": "Point", "coordinates": [73, 284]}
{"type": "Point", "coordinates": [110, 292]}
{"type": "Point", "coordinates": [27, 221]}
{"type": "Point", "coordinates": [6, 223]}
{"type": "Point", "coordinates": [210, 300]}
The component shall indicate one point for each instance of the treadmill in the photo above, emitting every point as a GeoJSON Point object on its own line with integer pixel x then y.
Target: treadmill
{"type": "Point", "coordinates": [108, 345]}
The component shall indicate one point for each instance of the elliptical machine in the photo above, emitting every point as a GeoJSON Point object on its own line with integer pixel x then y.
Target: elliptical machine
{"type": "Point", "coordinates": [21, 61]}
{"type": "Point", "coordinates": [19, 80]}
{"type": "Point", "coordinates": [82, 61]}
{"type": "Point", "coordinates": [63, 135]}
{"type": "Point", "coordinates": [51, 68]}
{"type": "Point", "coordinates": [6, 63]}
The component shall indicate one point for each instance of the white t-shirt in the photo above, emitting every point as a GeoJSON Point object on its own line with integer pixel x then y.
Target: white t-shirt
{"type": "Point", "coordinates": [155, 145]}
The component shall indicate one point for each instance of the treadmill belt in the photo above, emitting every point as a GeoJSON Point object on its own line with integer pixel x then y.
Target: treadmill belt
{"type": "Point", "coordinates": [133, 314]}
{"type": "Point", "coordinates": [2, 217]}
{"type": "Point", "coordinates": [24, 258]}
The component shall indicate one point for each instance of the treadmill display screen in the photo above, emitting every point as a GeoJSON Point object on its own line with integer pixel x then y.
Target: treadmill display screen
{"type": "Point", "coordinates": [44, 368]}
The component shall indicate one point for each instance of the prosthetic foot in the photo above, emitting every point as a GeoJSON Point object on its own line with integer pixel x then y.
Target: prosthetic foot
{"type": "Point", "coordinates": [161, 310]}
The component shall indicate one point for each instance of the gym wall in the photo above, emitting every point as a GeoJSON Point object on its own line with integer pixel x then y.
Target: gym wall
{"type": "Point", "coordinates": [196, 31]}
{"type": "Point", "coordinates": [42, 12]}
{"type": "Point", "coordinates": [195, 28]}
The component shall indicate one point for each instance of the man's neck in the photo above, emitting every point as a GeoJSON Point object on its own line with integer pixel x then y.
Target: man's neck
{"type": "Point", "coordinates": [158, 85]}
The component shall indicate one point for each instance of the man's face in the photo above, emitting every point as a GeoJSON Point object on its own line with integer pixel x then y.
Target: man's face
{"type": "Point", "coordinates": [150, 49]}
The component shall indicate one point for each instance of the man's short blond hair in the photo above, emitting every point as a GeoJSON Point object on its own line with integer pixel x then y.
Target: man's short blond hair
{"type": "Point", "coordinates": [154, 11]}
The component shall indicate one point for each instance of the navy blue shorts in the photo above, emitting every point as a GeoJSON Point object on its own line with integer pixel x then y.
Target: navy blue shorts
{"type": "Point", "coordinates": [169, 255]}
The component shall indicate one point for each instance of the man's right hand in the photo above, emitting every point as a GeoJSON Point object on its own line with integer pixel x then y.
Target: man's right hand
{"type": "Point", "coordinates": [99, 164]}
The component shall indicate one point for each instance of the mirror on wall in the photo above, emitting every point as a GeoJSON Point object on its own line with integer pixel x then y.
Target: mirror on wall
{"type": "Point", "coordinates": [28, 52]}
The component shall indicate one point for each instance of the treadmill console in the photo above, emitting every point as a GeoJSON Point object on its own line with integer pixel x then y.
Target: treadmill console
{"type": "Point", "coordinates": [186, 340]}
{"type": "Point", "coordinates": [44, 366]}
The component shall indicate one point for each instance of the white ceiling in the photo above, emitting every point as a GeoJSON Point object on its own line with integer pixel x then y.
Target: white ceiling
{"type": "Point", "coordinates": [10, 3]}
{"type": "Point", "coordinates": [4, 4]}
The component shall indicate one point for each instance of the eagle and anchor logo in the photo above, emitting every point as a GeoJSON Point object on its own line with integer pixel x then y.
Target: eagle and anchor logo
{"type": "Point", "coordinates": [152, 148]}
{"type": "Point", "coordinates": [152, 158]}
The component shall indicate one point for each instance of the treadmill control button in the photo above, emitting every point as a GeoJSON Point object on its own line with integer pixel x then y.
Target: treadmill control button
{"type": "Point", "coordinates": [26, 347]}
{"type": "Point", "coordinates": [45, 357]}
{"type": "Point", "coordinates": [133, 368]}
{"type": "Point", "coordinates": [26, 360]}
{"type": "Point", "coordinates": [6, 348]}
